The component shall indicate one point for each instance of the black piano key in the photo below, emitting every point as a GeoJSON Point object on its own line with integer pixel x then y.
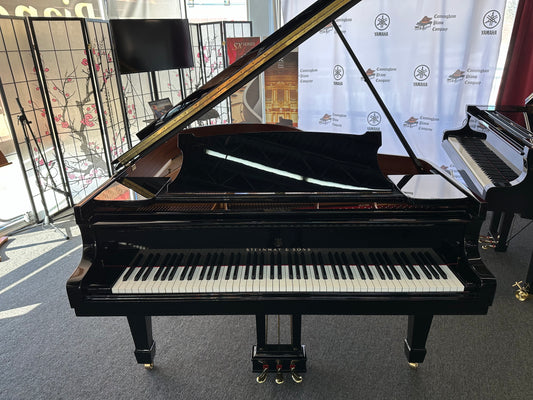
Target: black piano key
{"type": "Point", "coordinates": [261, 263]}
{"type": "Point", "coordinates": [379, 268]}
{"type": "Point", "coordinates": [254, 266]}
{"type": "Point", "coordinates": [272, 266]}
{"type": "Point", "coordinates": [339, 262]}
{"type": "Point", "coordinates": [144, 267]}
{"type": "Point", "coordinates": [187, 264]}
{"type": "Point", "coordinates": [346, 263]}
{"type": "Point", "coordinates": [290, 264]}
{"type": "Point", "coordinates": [303, 263]}
{"type": "Point", "coordinates": [162, 267]}
{"type": "Point", "coordinates": [205, 263]}
{"type": "Point", "coordinates": [297, 270]}
{"type": "Point", "coordinates": [321, 266]}
{"type": "Point", "coordinates": [193, 266]}
{"type": "Point", "coordinates": [184, 273]}
{"type": "Point", "coordinates": [149, 268]}
{"type": "Point", "coordinates": [421, 265]}
{"type": "Point", "coordinates": [402, 265]}
{"type": "Point", "coordinates": [409, 266]}
{"type": "Point", "coordinates": [237, 266]}
{"type": "Point", "coordinates": [367, 270]}
{"type": "Point", "coordinates": [315, 266]}
{"type": "Point", "coordinates": [215, 264]}
{"type": "Point", "coordinates": [139, 273]}
{"type": "Point", "coordinates": [136, 260]}
{"type": "Point", "coordinates": [391, 266]}
{"type": "Point", "coordinates": [383, 266]}
{"type": "Point", "coordinates": [173, 267]}
{"type": "Point", "coordinates": [219, 262]}
{"type": "Point", "coordinates": [247, 265]}
{"type": "Point", "coordinates": [231, 262]}
{"type": "Point", "coordinates": [430, 267]}
{"type": "Point", "coordinates": [436, 265]}
{"type": "Point", "coordinates": [359, 266]}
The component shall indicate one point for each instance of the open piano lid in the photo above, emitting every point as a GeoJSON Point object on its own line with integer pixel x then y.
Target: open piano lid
{"type": "Point", "coordinates": [266, 53]}
{"type": "Point", "coordinates": [357, 171]}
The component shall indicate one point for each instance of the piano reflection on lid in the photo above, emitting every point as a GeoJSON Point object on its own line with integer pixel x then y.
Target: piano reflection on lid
{"type": "Point", "coordinates": [257, 219]}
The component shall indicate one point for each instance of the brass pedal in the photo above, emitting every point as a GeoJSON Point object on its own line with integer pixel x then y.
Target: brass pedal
{"type": "Point", "coordinates": [294, 375]}
{"type": "Point", "coordinates": [522, 292]}
{"type": "Point", "coordinates": [263, 376]}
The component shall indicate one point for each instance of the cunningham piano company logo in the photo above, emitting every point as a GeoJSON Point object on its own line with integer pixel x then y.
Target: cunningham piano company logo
{"type": "Point", "coordinates": [411, 122]}
{"type": "Point", "coordinates": [457, 76]}
{"type": "Point", "coordinates": [325, 120]}
{"type": "Point", "coordinates": [423, 24]}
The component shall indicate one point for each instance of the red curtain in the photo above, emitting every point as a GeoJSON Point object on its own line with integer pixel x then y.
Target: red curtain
{"type": "Point", "coordinates": [517, 79]}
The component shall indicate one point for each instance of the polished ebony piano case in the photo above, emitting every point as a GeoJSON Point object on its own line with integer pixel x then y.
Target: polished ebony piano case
{"type": "Point", "coordinates": [257, 219]}
{"type": "Point", "coordinates": [493, 153]}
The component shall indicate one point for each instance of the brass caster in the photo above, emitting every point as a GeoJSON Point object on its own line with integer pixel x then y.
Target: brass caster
{"type": "Point", "coordinates": [262, 378]}
{"type": "Point", "coordinates": [413, 365]}
{"type": "Point", "coordinates": [149, 366]}
{"type": "Point", "coordinates": [522, 293]}
{"type": "Point", "coordinates": [294, 375]}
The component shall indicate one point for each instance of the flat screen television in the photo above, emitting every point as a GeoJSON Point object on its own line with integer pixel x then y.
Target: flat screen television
{"type": "Point", "coordinates": [145, 45]}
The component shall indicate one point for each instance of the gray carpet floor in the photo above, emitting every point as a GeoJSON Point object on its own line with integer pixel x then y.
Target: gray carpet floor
{"type": "Point", "coordinates": [49, 353]}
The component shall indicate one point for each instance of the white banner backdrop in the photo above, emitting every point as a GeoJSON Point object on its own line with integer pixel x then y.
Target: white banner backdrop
{"type": "Point", "coordinates": [427, 59]}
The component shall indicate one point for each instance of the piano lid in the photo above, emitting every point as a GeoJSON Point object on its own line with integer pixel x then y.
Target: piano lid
{"type": "Point", "coordinates": [266, 53]}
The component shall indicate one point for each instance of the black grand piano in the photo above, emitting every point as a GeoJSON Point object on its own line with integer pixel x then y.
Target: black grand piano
{"type": "Point", "coordinates": [258, 219]}
{"type": "Point", "coordinates": [493, 152]}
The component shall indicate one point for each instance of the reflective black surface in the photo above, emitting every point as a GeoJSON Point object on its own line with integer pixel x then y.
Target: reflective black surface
{"type": "Point", "coordinates": [280, 162]}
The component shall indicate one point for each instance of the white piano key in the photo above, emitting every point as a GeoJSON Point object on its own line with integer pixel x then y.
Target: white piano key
{"type": "Point", "coordinates": [455, 283]}
{"type": "Point", "coordinates": [239, 285]}
{"type": "Point", "coordinates": [263, 283]}
{"type": "Point", "coordinates": [146, 284]}
{"type": "Point", "coordinates": [119, 283]}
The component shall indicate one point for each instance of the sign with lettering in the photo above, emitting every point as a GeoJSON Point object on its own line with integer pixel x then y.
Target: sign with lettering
{"type": "Point", "coordinates": [426, 59]}
{"type": "Point", "coordinates": [51, 8]}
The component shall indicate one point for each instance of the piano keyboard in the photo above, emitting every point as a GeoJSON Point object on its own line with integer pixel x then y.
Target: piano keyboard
{"type": "Point", "coordinates": [487, 166]}
{"type": "Point", "coordinates": [224, 271]}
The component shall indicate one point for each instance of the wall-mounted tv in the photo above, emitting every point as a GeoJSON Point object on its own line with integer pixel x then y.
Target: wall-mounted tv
{"type": "Point", "coordinates": [145, 45]}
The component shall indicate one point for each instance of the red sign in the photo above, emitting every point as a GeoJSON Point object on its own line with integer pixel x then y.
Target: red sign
{"type": "Point", "coordinates": [237, 47]}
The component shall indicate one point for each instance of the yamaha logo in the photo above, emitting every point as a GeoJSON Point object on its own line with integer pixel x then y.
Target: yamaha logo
{"type": "Point", "coordinates": [421, 72]}
{"type": "Point", "coordinates": [374, 118]}
{"type": "Point", "coordinates": [491, 19]}
{"type": "Point", "coordinates": [338, 72]}
{"type": "Point", "coordinates": [382, 22]}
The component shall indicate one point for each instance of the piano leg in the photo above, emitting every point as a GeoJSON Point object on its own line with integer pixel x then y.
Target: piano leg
{"type": "Point", "coordinates": [499, 228]}
{"type": "Point", "coordinates": [141, 331]}
{"type": "Point", "coordinates": [417, 334]}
